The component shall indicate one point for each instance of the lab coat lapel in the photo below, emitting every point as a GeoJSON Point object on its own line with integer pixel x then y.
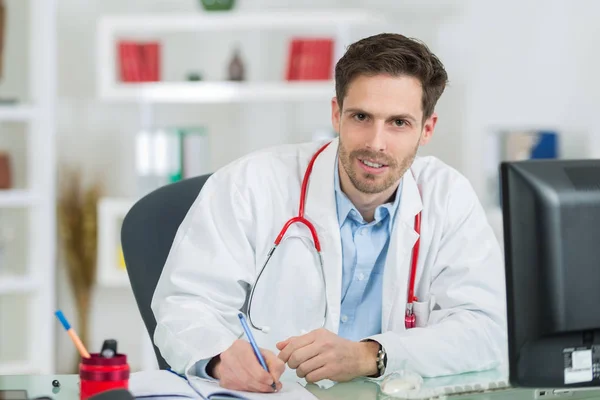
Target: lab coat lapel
{"type": "Point", "coordinates": [404, 236]}
{"type": "Point", "coordinates": [320, 209]}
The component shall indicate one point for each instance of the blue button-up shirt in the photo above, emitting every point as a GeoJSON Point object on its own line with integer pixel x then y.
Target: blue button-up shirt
{"type": "Point", "coordinates": [364, 250]}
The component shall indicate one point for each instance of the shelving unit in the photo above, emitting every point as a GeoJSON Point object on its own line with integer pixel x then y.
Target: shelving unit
{"type": "Point", "coordinates": [336, 23]}
{"type": "Point", "coordinates": [27, 294]}
{"type": "Point", "coordinates": [16, 198]}
{"type": "Point", "coordinates": [12, 285]}
{"type": "Point", "coordinates": [339, 22]}
{"type": "Point", "coordinates": [16, 113]}
{"type": "Point", "coordinates": [219, 92]}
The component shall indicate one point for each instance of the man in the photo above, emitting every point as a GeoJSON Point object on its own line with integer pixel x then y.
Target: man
{"type": "Point", "coordinates": [364, 193]}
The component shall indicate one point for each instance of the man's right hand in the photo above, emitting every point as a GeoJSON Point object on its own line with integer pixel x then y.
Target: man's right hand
{"type": "Point", "coordinates": [238, 369]}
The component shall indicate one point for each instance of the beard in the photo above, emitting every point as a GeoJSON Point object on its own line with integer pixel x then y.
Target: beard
{"type": "Point", "coordinates": [371, 183]}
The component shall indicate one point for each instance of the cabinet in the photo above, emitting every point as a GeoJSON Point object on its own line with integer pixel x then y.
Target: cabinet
{"type": "Point", "coordinates": [28, 209]}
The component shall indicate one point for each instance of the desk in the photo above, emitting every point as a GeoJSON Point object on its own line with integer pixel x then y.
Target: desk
{"type": "Point", "coordinates": [42, 386]}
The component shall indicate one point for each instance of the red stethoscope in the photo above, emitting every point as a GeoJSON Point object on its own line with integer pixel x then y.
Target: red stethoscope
{"type": "Point", "coordinates": [409, 318]}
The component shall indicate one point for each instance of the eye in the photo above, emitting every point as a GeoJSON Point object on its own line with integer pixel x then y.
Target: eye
{"type": "Point", "coordinates": [400, 122]}
{"type": "Point", "coordinates": [360, 117]}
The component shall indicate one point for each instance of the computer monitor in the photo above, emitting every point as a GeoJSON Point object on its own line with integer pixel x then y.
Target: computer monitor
{"type": "Point", "coordinates": [551, 220]}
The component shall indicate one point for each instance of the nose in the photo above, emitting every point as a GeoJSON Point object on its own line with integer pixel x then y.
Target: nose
{"type": "Point", "coordinates": [375, 138]}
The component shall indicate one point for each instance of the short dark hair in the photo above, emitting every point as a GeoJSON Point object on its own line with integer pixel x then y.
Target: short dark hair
{"type": "Point", "coordinates": [395, 55]}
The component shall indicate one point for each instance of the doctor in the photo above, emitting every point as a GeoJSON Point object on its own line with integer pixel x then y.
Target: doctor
{"type": "Point", "coordinates": [378, 210]}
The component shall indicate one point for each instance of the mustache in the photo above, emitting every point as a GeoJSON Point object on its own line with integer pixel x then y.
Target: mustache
{"type": "Point", "coordinates": [373, 156]}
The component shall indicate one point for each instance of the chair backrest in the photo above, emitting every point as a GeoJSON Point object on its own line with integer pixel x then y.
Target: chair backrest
{"type": "Point", "coordinates": [147, 234]}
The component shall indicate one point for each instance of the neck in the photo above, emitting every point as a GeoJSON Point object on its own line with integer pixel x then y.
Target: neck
{"type": "Point", "coordinates": [365, 203]}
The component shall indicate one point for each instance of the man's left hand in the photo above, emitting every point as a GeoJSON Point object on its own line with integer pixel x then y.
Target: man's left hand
{"type": "Point", "coordinates": [321, 354]}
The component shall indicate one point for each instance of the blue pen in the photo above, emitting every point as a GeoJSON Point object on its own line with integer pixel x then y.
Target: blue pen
{"type": "Point", "coordinates": [261, 360]}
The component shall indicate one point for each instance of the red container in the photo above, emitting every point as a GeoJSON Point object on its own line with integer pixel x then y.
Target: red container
{"type": "Point", "coordinates": [98, 374]}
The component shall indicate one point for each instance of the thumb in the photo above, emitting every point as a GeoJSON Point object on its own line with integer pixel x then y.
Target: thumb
{"type": "Point", "coordinates": [281, 345]}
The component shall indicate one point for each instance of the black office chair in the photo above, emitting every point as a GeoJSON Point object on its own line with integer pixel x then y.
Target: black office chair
{"type": "Point", "coordinates": [147, 233]}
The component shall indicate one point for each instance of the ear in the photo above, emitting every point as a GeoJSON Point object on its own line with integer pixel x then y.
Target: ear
{"type": "Point", "coordinates": [335, 115]}
{"type": "Point", "coordinates": [428, 128]}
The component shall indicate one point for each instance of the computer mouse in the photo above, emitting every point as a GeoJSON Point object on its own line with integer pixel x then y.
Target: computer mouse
{"type": "Point", "coordinates": [401, 382]}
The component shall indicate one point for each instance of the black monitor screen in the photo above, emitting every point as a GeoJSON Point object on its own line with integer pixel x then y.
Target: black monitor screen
{"type": "Point", "coordinates": [551, 216]}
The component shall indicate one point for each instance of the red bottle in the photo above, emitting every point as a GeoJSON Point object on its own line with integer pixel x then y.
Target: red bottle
{"type": "Point", "coordinates": [98, 374]}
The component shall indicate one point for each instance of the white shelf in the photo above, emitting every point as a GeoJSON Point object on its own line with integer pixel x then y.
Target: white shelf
{"type": "Point", "coordinates": [18, 368]}
{"type": "Point", "coordinates": [16, 113]}
{"type": "Point", "coordinates": [14, 284]}
{"type": "Point", "coordinates": [237, 20]}
{"type": "Point", "coordinates": [220, 92]}
{"type": "Point", "coordinates": [16, 198]}
{"type": "Point", "coordinates": [336, 23]}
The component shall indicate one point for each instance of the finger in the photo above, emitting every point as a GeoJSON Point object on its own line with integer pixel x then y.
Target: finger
{"type": "Point", "coordinates": [249, 374]}
{"type": "Point", "coordinates": [254, 384]}
{"type": "Point", "coordinates": [281, 345]}
{"type": "Point", "coordinates": [318, 375]}
{"type": "Point", "coordinates": [296, 344]}
{"type": "Point", "coordinates": [257, 377]}
{"type": "Point", "coordinates": [311, 365]}
{"type": "Point", "coordinates": [275, 365]}
{"type": "Point", "coordinates": [237, 379]}
{"type": "Point", "coordinates": [303, 354]}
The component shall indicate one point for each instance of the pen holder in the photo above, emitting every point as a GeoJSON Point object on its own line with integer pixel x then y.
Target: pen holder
{"type": "Point", "coordinates": [98, 374]}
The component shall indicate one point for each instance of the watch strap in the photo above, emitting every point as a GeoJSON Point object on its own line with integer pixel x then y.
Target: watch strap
{"type": "Point", "coordinates": [381, 360]}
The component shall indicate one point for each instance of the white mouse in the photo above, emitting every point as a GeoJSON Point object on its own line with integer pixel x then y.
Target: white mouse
{"type": "Point", "coordinates": [401, 382]}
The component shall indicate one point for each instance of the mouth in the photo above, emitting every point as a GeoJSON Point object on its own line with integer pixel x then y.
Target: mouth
{"type": "Point", "coordinates": [372, 166]}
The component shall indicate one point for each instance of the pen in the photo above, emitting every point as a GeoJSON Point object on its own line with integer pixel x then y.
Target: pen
{"type": "Point", "coordinates": [74, 337]}
{"type": "Point", "coordinates": [261, 360]}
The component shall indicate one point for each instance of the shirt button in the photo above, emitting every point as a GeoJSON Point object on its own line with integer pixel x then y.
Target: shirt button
{"type": "Point", "coordinates": [344, 318]}
{"type": "Point", "coordinates": [361, 276]}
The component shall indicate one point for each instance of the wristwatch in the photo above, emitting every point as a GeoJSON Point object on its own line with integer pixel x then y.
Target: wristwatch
{"type": "Point", "coordinates": [381, 360]}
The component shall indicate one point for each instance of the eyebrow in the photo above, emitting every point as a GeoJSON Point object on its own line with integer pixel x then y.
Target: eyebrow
{"type": "Point", "coordinates": [393, 117]}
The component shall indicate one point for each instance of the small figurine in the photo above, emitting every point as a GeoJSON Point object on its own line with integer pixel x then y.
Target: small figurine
{"type": "Point", "coordinates": [236, 67]}
{"type": "Point", "coordinates": [5, 171]}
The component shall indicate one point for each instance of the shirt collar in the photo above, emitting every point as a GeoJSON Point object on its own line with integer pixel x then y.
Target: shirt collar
{"type": "Point", "coordinates": [345, 206]}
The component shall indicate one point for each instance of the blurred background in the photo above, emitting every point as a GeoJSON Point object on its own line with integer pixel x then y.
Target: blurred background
{"type": "Point", "coordinates": [102, 101]}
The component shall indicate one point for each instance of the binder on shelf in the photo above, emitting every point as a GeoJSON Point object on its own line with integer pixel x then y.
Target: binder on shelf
{"type": "Point", "coordinates": [168, 155]}
{"type": "Point", "coordinates": [310, 59]}
{"type": "Point", "coordinates": [139, 61]}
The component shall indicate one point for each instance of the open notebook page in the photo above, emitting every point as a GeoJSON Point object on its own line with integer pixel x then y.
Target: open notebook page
{"type": "Point", "coordinates": [289, 391]}
{"type": "Point", "coordinates": [165, 384]}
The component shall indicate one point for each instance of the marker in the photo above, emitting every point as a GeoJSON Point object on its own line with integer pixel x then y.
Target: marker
{"type": "Point", "coordinates": [80, 347]}
{"type": "Point", "coordinates": [261, 360]}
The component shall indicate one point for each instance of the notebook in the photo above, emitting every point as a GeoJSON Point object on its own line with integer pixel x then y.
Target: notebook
{"type": "Point", "coordinates": [162, 384]}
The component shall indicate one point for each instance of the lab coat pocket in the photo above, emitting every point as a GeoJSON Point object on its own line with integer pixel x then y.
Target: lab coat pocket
{"type": "Point", "coordinates": [422, 309]}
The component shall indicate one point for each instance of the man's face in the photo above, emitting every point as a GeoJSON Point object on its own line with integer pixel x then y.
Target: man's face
{"type": "Point", "coordinates": [380, 129]}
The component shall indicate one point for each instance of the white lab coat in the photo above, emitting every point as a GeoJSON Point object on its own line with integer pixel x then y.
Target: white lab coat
{"type": "Point", "coordinates": [223, 241]}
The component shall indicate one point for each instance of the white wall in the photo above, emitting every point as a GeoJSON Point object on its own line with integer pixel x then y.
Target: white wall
{"type": "Point", "coordinates": [511, 63]}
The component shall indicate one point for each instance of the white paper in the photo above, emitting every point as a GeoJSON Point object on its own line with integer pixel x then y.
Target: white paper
{"type": "Point", "coordinates": [289, 391]}
{"type": "Point", "coordinates": [160, 383]}
{"type": "Point", "coordinates": [165, 384]}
